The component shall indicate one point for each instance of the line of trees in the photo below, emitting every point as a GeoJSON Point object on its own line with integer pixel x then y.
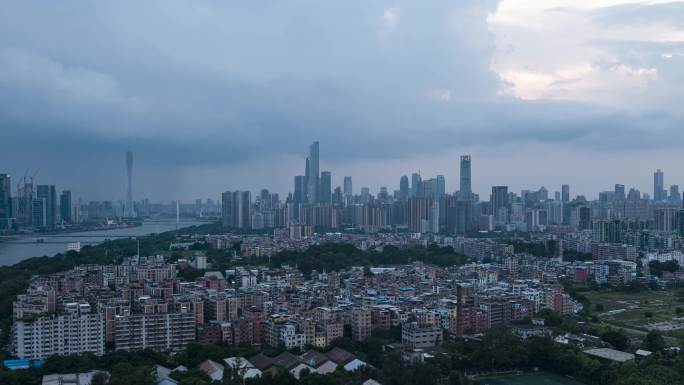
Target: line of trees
{"type": "Point", "coordinates": [341, 256]}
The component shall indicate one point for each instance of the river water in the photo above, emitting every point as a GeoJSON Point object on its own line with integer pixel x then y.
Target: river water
{"type": "Point", "coordinates": [23, 247]}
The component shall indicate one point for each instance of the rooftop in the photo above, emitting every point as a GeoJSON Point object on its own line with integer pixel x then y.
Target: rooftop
{"type": "Point", "coordinates": [610, 354]}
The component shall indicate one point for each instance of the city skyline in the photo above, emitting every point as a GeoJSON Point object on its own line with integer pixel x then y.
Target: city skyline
{"type": "Point", "coordinates": [453, 183]}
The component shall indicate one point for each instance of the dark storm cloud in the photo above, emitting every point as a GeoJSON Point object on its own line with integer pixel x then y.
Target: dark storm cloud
{"type": "Point", "coordinates": [198, 83]}
{"type": "Point", "coordinates": [245, 77]}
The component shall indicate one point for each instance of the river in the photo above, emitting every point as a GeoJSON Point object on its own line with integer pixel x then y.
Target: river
{"type": "Point", "coordinates": [23, 247]}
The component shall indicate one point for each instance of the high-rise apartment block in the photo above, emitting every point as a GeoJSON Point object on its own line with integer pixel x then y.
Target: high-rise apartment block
{"type": "Point", "coordinates": [78, 330]}
{"type": "Point", "coordinates": [163, 332]}
{"type": "Point", "coordinates": [236, 209]}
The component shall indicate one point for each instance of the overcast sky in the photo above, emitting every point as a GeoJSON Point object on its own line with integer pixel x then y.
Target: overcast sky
{"type": "Point", "coordinates": [218, 95]}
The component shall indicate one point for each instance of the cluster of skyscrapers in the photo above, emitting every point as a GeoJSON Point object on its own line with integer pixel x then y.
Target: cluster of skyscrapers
{"type": "Point", "coordinates": [38, 207]}
{"type": "Point", "coordinates": [34, 206]}
{"type": "Point", "coordinates": [660, 194]}
{"type": "Point", "coordinates": [422, 205]}
{"type": "Point", "coordinates": [315, 186]}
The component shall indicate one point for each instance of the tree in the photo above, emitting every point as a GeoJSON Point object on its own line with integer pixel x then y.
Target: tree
{"type": "Point", "coordinates": [9, 378]}
{"type": "Point", "coordinates": [126, 374]}
{"type": "Point", "coordinates": [500, 349]}
{"type": "Point", "coordinates": [598, 307]}
{"type": "Point", "coordinates": [455, 378]}
{"type": "Point", "coordinates": [653, 342]}
{"type": "Point", "coordinates": [616, 338]}
{"type": "Point", "coordinates": [657, 268]}
{"type": "Point", "coordinates": [99, 378]}
{"type": "Point", "coordinates": [551, 318]}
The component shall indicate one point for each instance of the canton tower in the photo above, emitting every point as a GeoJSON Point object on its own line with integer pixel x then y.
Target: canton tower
{"type": "Point", "coordinates": [129, 211]}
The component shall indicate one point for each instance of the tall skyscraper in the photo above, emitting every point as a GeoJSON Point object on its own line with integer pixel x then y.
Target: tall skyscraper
{"type": "Point", "coordinates": [244, 209]}
{"type": "Point", "coordinates": [227, 207]}
{"type": "Point", "coordinates": [313, 177]}
{"type": "Point", "coordinates": [565, 193]}
{"type": "Point", "coordinates": [48, 195]}
{"type": "Point", "coordinates": [404, 188]}
{"type": "Point", "coordinates": [465, 188]}
{"type": "Point", "coordinates": [441, 186]}
{"type": "Point", "coordinates": [65, 206]}
{"type": "Point", "coordinates": [5, 201]}
{"type": "Point", "coordinates": [39, 213]}
{"type": "Point", "coordinates": [307, 176]}
{"type": "Point", "coordinates": [24, 204]}
{"type": "Point", "coordinates": [428, 188]}
{"type": "Point", "coordinates": [416, 185]}
{"type": "Point", "coordinates": [129, 210]}
{"type": "Point", "coordinates": [348, 191]}
{"type": "Point", "coordinates": [325, 187]}
{"type": "Point", "coordinates": [236, 209]}
{"type": "Point", "coordinates": [658, 186]}
{"type": "Point", "coordinates": [338, 197]}
{"type": "Point", "coordinates": [675, 197]}
{"type": "Point", "coordinates": [499, 203]}
{"type": "Point", "coordinates": [620, 192]}
{"type": "Point", "coordinates": [299, 189]}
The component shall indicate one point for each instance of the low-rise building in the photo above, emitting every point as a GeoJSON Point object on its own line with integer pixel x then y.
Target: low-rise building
{"type": "Point", "coordinates": [415, 336]}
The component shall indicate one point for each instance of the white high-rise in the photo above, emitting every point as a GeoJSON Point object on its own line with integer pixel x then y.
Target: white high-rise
{"type": "Point", "coordinates": [76, 331]}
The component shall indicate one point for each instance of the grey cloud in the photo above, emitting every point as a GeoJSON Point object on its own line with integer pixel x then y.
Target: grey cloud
{"type": "Point", "coordinates": [192, 83]}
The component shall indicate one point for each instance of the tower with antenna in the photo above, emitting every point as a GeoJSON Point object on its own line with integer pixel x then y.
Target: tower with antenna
{"type": "Point", "coordinates": [25, 196]}
{"type": "Point", "coordinates": [129, 210]}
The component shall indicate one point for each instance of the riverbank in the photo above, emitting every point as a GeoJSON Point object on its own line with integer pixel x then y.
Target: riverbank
{"type": "Point", "coordinates": [70, 230]}
{"type": "Point", "coordinates": [28, 246]}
